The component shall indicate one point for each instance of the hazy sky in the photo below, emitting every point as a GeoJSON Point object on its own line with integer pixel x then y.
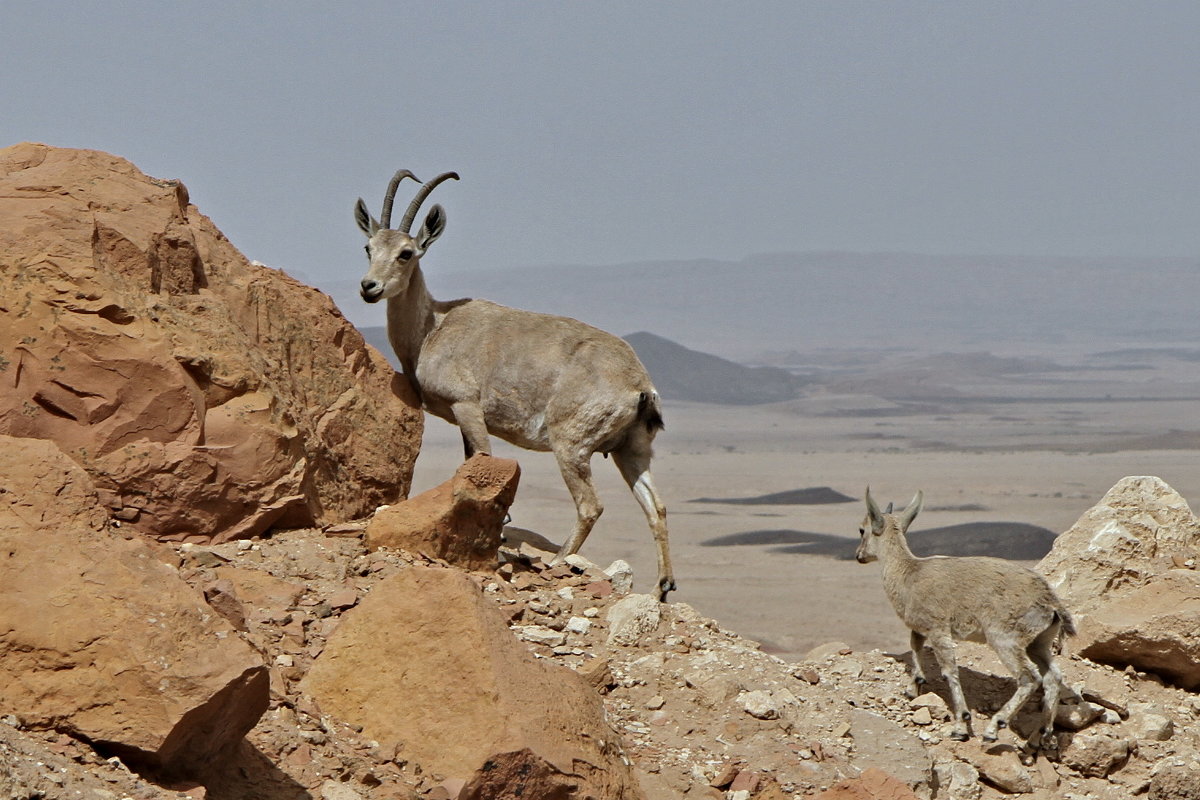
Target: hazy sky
{"type": "Point", "coordinates": [605, 132]}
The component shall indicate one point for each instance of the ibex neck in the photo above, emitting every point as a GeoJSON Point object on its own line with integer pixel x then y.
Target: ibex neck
{"type": "Point", "coordinates": [898, 564]}
{"type": "Point", "coordinates": [409, 321]}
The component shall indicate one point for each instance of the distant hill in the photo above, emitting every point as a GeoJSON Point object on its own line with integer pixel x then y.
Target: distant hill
{"type": "Point", "coordinates": [682, 374]}
{"type": "Point", "coordinates": [780, 301]}
{"type": "Point", "coordinates": [679, 373]}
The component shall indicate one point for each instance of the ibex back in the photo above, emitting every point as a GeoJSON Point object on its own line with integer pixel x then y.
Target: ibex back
{"type": "Point", "coordinates": [538, 381]}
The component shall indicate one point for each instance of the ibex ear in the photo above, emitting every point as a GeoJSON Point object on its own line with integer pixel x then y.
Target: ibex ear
{"type": "Point", "coordinates": [874, 515]}
{"type": "Point", "coordinates": [366, 223]}
{"type": "Point", "coordinates": [911, 511]}
{"type": "Point", "coordinates": [435, 223]}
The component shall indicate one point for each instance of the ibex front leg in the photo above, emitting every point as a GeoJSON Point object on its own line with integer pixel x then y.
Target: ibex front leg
{"type": "Point", "coordinates": [469, 418]}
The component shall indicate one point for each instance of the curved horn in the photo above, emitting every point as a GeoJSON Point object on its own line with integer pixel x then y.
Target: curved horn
{"type": "Point", "coordinates": [386, 218]}
{"type": "Point", "coordinates": [415, 205]}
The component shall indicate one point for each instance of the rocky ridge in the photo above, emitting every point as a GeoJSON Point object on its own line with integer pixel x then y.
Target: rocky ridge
{"type": "Point", "coordinates": [694, 709]}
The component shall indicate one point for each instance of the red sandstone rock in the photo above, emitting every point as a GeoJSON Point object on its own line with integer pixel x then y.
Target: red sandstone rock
{"type": "Point", "coordinates": [100, 638]}
{"type": "Point", "coordinates": [426, 661]}
{"type": "Point", "coordinates": [207, 397]}
{"type": "Point", "coordinates": [459, 521]}
{"type": "Point", "coordinates": [873, 784]}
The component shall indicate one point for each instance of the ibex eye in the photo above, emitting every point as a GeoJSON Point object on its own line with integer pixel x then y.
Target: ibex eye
{"type": "Point", "coordinates": [405, 255]}
{"type": "Point", "coordinates": [367, 249]}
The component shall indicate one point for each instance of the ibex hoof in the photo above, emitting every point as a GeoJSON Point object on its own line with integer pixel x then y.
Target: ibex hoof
{"type": "Point", "coordinates": [1001, 723]}
{"type": "Point", "coordinates": [665, 585]}
{"type": "Point", "coordinates": [960, 736]}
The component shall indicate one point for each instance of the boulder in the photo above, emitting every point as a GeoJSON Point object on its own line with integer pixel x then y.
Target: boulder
{"type": "Point", "coordinates": [426, 663]}
{"type": "Point", "coordinates": [1153, 628]}
{"type": "Point", "coordinates": [1119, 544]}
{"type": "Point", "coordinates": [100, 638]}
{"type": "Point", "coordinates": [1115, 569]}
{"type": "Point", "coordinates": [459, 521]}
{"type": "Point", "coordinates": [207, 397]}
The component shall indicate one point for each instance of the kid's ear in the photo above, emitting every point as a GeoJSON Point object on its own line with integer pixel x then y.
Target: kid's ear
{"type": "Point", "coordinates": [874, 515]}
{"type": "Point", "coordinates": [911, 511]}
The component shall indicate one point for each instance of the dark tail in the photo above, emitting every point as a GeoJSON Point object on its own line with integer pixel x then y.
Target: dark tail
{"type": "Point", "coordinates": [1068, 622]}
{"type": "Point", "coordinates": [649, 412]}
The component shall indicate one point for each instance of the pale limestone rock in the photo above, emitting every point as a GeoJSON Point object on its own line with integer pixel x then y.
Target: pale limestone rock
{"type": "Point", "coordinates": [633, 618]}
{"type": "Point", "coordinates": [759, 704]}
{"type": "Point", "coordinates": [621, 575]}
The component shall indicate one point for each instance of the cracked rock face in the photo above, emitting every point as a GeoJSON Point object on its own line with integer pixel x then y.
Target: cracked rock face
{"type": "Point", "coordinates": [207, 397]}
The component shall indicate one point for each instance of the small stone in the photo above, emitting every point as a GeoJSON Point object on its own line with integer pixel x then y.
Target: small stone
{"type": "Point", "coordinates": [579, 625]}
{"type": "Point", "coordinates": [591, 613]}
{"type": "Point", "coordinates": [579, 563]}
{"type": "Point", "coordinates": [566, 593]}
{"type": "Point", "coordinates": [284, 660]}
{"type": "Point", "coordinates": [741, 794]}
{"type": "Point", "coordinates": [1096, 755]}
{"type": "Point", "coordinates": [759, 704]}
{"type": "Point", "coordinates": [725, 776]}
{"type": "Point", "coordinates": [840, 730]}
{"type": "Point", "coordinates": [598, 589]}
{"type": "Point", "coordinates": [808, 674]}
{"type": "Point", "coordinates": [921, 717]}
{"type": "Point", "coordinates": [960, 780]}
{"type": "Point", "coordinates": [1077, 716]}
{"type": "Point", "coordinates": [538, 634]}
{"type": "Point", "coordinates": [746, 780]}
{"type": "Point", "coordinates": [656, 702]}
{"type": "Point", "coordinates": [343, 599]}
{"type": "Point", "coordinates": [1006, 773]}
{"type": "Point", "coordinates": [633, 618]}
{"type": "Point", "coordinates": [621, 575]}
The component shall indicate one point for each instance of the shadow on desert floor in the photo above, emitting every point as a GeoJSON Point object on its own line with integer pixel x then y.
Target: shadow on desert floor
{"type": "Point", "coordinates": [1017, 541]}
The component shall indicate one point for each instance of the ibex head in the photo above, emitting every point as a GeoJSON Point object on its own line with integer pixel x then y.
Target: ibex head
{"type": "Point", "coordinates": [394, 253]}
{"type": "Point", "coordinates": [874, 525]}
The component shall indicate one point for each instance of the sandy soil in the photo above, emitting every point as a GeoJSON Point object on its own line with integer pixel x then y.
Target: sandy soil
{"type": "Point", "coordinates": [1036, 448]}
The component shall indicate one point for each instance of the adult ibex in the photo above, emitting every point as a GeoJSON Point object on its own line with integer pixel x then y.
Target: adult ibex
{"type": "Point", "coordinates": [538, 381]}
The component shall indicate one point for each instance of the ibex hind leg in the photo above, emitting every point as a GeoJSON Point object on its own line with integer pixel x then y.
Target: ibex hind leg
{"type": "Point", "coordinates": [633, 460]}
{"type": "Point", "coordinates": [575, 466]}
{"type": "Point", "coordinates": [1053, 688]}
{"type": "Point", "coordinates": [1017, 660]}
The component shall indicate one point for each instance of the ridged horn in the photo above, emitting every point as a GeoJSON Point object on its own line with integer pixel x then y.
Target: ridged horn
{"type": "Point", "coordinates": [386, 218]}
{"type": "Point", "coordinates": [415, 205]}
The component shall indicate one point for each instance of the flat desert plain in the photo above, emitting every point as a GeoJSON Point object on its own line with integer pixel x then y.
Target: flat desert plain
{"type": "Point", "coordinates": [1009, 454]}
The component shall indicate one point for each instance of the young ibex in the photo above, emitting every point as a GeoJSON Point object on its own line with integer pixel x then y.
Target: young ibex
{"type": "Point", "coordinates": [538, 381]}
{"type": "Point", "coordinates": [940, 599]}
